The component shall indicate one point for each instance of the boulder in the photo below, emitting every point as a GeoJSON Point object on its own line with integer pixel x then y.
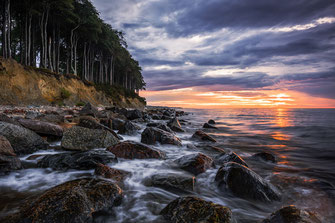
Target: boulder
{"type": "Point", "coordinates": [208, 126]}
{"type": "Point", "coordinates": [151, 135]}
{"type": "Point", "coordinates": [245, 183]}
{"type": "Point", "coordinates": [75, 201]}
{"type": "Point", "coordinates": [110, 173]}
{"type": "Point", "coordinates": [203, 136]}
{"type": "Point", "coordinates": [53, 118]}
{"type": "Point", "coordinates": [89, 109]}
{"type": "Point", "coordinates": [195, 163]}
{"type": "Point", "coordinates": [231, 157]}
{"type": "Point", "coordinates": [32, 114]}
{"type": "Point", "coordinates": [22, 140]}
{"type": "Point", "coordinates": [79, 160]}
{"type": "Point", "coordinates": [92, 123]}
{"type": "Point", "coordinates": [5, 118]}
{"type": "Point", "coordinates": [265, 156]}
{"type": "Point", "coordinates": [117, 123]}
{"type": "Point", "coordinates": [175, 125]}
{"type": "Point", "coordinates": [133, 114]}
{"type": "Point", "coordinates": [291, 214]}
{"type": "Point", "coordinates": [160, 126]}
{"type": "Point", "coordinates": [171, 181]}
{"type": "Point", "coordinates": [82, 139]}
{"type": "Point", "coordinates": [196, 210]}
{"type": "Point", "coordinates": [8, 159]}
{"type": "Point", "coordinates": [128, 128]}
{"type": "Point", "coordinates": [211, 122]}
{"type": "Point", "coordinates": [43, 128]}
{"type": "Point", "coordinates": [135, 150]}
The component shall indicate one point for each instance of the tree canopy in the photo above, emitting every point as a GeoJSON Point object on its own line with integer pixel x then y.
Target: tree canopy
{"type": "Point", "coordinates": [67, 36]}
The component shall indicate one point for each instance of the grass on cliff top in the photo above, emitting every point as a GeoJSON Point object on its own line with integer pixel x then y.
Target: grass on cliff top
{"type": "Point", "coordinates": [116, 91]}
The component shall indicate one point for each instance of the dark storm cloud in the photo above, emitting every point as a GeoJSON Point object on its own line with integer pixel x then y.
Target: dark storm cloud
{"type": "Point", "coordinates": [257, 48]}
{"type": "Point", "coordinates": [209, 15]}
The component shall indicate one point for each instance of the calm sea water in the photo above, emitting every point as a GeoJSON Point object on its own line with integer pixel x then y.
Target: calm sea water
{"type": "Point", "coordinates": [302, 139]}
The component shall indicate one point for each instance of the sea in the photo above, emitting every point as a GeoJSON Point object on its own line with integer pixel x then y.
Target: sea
{"type": "Point", "coordinates": [303, 140]}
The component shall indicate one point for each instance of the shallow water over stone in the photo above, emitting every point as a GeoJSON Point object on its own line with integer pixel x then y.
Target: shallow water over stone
{"type": "Point", "coordinates": [302, 140]}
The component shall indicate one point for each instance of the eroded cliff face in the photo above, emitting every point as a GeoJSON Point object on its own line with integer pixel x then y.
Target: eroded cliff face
{"type": "Point", "coordinates": [20, 85]}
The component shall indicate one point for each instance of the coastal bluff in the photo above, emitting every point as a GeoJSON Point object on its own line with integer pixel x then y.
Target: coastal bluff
{"type": "Point", "coordinates": [25, 85]}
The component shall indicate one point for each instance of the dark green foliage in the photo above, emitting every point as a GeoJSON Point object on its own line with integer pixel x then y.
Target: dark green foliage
{"type": "Point", "coordinates": [116, 91]}
{"type": "Point", "coordinates": [64, 94]}
{"type": "Point", "coordinates": [69, 37]}
{"type": "Point", "coordinates": [80, 103]}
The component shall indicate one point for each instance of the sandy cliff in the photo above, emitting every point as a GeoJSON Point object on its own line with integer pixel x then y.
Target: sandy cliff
{"type": "Point", "coordinates": [20, 85]}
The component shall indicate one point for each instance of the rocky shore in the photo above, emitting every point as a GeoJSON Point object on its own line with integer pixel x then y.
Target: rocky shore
{"type": "Point", "coordinates": [92, 138]}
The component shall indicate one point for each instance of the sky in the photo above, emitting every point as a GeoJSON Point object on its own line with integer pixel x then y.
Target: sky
{"type": "Point", "coordinates": [224, 53]}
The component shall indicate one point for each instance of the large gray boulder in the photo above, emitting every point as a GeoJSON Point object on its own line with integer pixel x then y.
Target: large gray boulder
{"type": "Point", "coordinates": [79, 160]}
{"type": "Point", "coordinates": [43, 128]}
{"type": "Point", "coordinates": [75, 201]}
{"type": "Point", "coordinates": [83, 139]}
{"type": "Point", "coordinates": [151, 135]}
{"type": "Point", "coordinates": [196, 210]}
{"type": "Point", "coordinates": [195, 163]}
{"type": "Point", "coordinates": [245, 183]}
{"type": "Point", "coordinates": [128, 128]}
{"type": "Point", "coordinates": [22, 140]}
{"type": "Point", "coordinates": [92, 123]}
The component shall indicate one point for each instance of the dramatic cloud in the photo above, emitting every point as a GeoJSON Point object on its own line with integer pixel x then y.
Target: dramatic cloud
{"type": "Point", "coordinates": [230, 45]}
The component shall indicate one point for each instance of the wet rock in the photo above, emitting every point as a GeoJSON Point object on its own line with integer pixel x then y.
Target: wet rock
{"type": "Point", "coordinates": [43, 128]}
{"type": "Point", "coordinates": [90, 110]}
{"type": "Point", "coordinates": [8, 159]}
{"type": "Point", "coordinates": [231, 157]}
{"type": "Point", "coordinates": [291, 214]}
{"type": "Point", "coordinates": [208, 126]}
{"type": "Point", "coordinates": [22, 140]}
{"type": "Point", "coordinates": [110, 173]}
{"type": "Point", "coordinates": [203, 136]}
{"type": "Point", "coordinates": [133, 114]}
{"type": "Point", "coordinates": [79, 160]}
{"type": "Point", "coordinates": [53, 118]}
{"type": "Point", "coordinates": [5, 118]}
{"type": "Point", "coordinates": [211, 122]}
{"type": "Point", "coordinates": [128, 128]}
{"type": "Point", "coordinates": [92, 123]}
{"type": "Point", "coordinates": [171, 181]}
{"type": "Point", "coordinates": [151, 135]}
{"type": "Point", "coordinates": [117, 123]}
{"type": "Point", "coordinates": [135, 150]}
{"type": "Point", "coordinates": [156, 117]}
{"type": "Point", "coordinates": [193, 209]}
{"type": "Point", "coordinates": [245, 183]}
{"type": "Point", "coordinates": [175, 125]}
{"type": "Point", "coordinates": [265, 156]}
{"type": "Point", "coordinates": [195, 163]}
{"type": "Point", "coordinates": [32, 114]}
{"type": "Point", "coordinates": [79, 138]}
{"type": "Point", "coordinates": [160, 126]}
{"type": "Point", "coordinates": [75, 201]}
{"type": "Point", "coordinates": [5, 147]}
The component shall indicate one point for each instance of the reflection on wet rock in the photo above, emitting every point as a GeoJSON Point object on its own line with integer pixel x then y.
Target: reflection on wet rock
{"type": "Point", "coordinates": [245, 183]}
{"type": "Point", "coordinates": [74, 201]}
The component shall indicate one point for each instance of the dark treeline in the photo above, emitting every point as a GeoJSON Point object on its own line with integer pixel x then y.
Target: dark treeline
{"type": "Point", "coordinates": [67, 36]}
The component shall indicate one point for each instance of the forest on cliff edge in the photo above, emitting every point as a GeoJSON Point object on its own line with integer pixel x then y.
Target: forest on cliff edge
{"type": "Point", "coordinates": [67, 36]}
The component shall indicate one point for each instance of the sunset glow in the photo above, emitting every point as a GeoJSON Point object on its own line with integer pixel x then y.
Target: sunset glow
{"type": "Point", "coordinates": [193, 98]}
